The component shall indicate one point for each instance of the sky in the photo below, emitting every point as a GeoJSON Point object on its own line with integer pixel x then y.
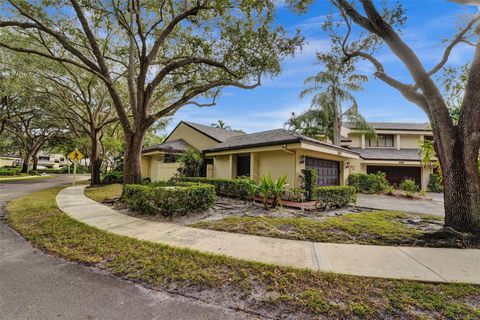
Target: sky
{"type": "Point", "coordinates": [269, 106]}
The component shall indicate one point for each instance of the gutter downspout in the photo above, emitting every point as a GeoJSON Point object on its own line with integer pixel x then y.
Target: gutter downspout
{"type": "Point", "coordinates": [294, 178]}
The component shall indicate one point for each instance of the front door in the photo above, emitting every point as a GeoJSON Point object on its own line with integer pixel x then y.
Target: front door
{"type": "Point", "coordinates": [243, 165]}
{"type": "Point", "coordinates": [328, 171]}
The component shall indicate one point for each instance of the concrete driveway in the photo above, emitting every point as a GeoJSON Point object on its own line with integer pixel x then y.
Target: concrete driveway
{"type": "Point", "coordinates": [379, 202]}
{"type": "Point", "coordinates": [34, 285]}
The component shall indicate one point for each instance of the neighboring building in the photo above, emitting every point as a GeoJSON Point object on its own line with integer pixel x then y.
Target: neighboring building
{"type": "Point", "coordinates": [54, 161]}
{"type": "Point", "coordinates": [395, 150]}
{"type": "Point", "coordinates": [231, 154]}
{"type": "Point", "coordinates": [10, 161]}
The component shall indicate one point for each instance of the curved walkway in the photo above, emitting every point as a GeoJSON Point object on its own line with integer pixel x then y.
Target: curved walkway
{"type": "Point", "coordinates": [425, 264]}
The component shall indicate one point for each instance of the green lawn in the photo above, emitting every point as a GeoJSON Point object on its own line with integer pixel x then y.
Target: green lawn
{"type": "Point", "coordinates": [377, 228]}
{"type": "Point", "coordinates": [4, 179]}
{"type": "Point", "coordinates": [108, 192]}
{"type": "Point", "coordinates": [276, 291]}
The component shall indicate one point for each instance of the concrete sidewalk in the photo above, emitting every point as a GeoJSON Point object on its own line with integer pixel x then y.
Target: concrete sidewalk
{"type": "Point", "coordinates": [425, 264]}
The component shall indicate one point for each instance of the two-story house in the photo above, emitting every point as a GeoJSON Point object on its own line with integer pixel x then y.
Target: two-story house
{"type": "Point", "coordinates": [394, 151]}
{"type": "Point", "coordinates": [230, 154]}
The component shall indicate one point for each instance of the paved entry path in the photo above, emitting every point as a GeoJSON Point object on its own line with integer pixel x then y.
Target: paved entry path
{"type": "Point", "coordinates": [426, 264]}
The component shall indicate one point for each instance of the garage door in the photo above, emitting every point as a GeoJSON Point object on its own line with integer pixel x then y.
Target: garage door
{"type": "Point", "coordinates": [328, 171]}
{"type": "Point", "coordinates": [395, 175]}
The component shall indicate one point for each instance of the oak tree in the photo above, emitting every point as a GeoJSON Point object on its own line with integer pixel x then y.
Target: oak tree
{"type": "Point", "coordinates": [169, 53]}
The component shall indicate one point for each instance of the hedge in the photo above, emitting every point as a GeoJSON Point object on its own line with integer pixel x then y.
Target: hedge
{"type": "Point", "coordinates": [9, 171]}
{"type": "Point", "coordinates": [235, 188]}
{"type": "Point", "coordinates": [309, 182]}
{"type": "Point", "coordinates": [168, 200]}
{"type": "Point", "coordinates": [335, 196]}
{"type": "Point", "coordinates": [368, 183]}
{"type": "Point", "coordinates": [113, 177]}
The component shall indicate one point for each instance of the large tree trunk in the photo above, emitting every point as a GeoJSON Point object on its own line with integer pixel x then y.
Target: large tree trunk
{"type": "Point", "coordinates": [26, 162]}
{"type": "Point", "coordinates": [133, 152]}
{"type": "Point", "coordinates": [95, 160]}
{"type": "Point", "coordinates": [461, 187]}
{"type": "Point", "coordinates": [35, 162]}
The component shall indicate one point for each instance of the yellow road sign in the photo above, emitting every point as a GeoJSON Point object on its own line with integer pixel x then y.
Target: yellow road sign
{"type": "Point", "coordinates": [75, 155]}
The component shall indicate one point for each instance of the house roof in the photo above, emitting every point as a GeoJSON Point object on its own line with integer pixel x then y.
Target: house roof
{"type": "Point", "coordinates": [400, 126]}
{"type": "Point", "coordinates": [171, 146]}
{"type": "Point", "coordinates": [217, 134]}
{"type": "Point", "coordinates": [269, 138]}
{"type": "Point", "coordinates": [388, 154]}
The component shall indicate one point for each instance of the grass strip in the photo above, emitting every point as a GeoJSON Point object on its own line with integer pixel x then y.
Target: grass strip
{"type": "Point", "coordinates": [374, 228]}
{"type": "Point", "coordinates": [275, 291]}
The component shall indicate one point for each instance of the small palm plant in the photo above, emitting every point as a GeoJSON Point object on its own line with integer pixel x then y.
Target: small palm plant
{"type": "Point", "coordinates": [272, 189]}
{"type": "Point", "coordinates": [252, 190]}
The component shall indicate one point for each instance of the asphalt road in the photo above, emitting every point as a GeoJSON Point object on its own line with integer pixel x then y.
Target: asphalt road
{"type": "Point", "coordinates": [34, 285]}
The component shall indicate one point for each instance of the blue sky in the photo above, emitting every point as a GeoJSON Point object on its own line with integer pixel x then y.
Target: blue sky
{"type": "Point", "coordinates": [269, 106]}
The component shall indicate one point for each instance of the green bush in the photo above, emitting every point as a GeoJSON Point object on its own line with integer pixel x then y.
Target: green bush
{"type": "Point", "coordinates": [272, 190]}
{"type": "Point", "coordinates": [335, 196]}
{"type": "Point", "coordinates": [9, 171]}
{"type": "Point", "coordinates": [368, 183]}
{"type": "Point", "coordinates": [309, 183]}
{"type": "Point", "coordinates": [235, 188]}
{"type": "Point", "coordinates": [408, 185]}
{"type": "Point", "coordinates": [113, 177]}
{"type": "Point", "coordinates": [435, 183]}
{"type": "Point", "coordinates": [191, 161]}
{"type": "Point", "coordinates": [169, 200]}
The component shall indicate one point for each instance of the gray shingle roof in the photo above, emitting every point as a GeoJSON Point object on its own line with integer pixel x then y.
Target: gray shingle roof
{"type": "Point", "coordinates": [171, 146]}
{"type": "Point", "coordinates": [217, 134]}
{"type": "Point", "coordinates": [388, 154]}
{"type": "Point", "coordinates": [394, 126]}
{"type": "Point", "coordinates": [268, 138]}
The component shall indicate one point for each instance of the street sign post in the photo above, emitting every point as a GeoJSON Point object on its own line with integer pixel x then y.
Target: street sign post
{"type": "Point", "coordinates": [75, 156]}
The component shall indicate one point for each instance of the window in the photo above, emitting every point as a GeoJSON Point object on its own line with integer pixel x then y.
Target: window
{"type": "Point", "coordinates": [382, 140]}
{"type": "Point", "coordinates": [170, 158]}
{"type": "Point", "coordinates": [243, 165]}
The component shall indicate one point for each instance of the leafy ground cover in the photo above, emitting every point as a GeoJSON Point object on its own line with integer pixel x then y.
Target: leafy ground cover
{"type": "Point", "coordinates": [277, 292]}
{"type": "Point", "coordinates": [387, 228]}
{"type": "Point", "coordinates": [377, 228]}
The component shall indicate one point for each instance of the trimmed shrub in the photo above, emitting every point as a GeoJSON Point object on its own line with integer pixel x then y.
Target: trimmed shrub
{"type": "Point", "coordinates": [368, 183]}
{"type": "Point", "coordinates": [309, 183]}
{"type": "Point", "coordinates": [113, 177]}
{"type": "Point", "coordinates": [169, 200]}
{"type": "Point", "coordinates": [408, 185]}
{"type": "Point", "coordinates": [9, 171]}
{"type": "Point", "coordinates": [235, 188]}
{"type": "Point", "coordinates": [435, 183]}
{"type": "Point", "coordinates": [335, 196]}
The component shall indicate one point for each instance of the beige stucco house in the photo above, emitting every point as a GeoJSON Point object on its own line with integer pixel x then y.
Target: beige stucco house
{"type": "Point", "coordinates": [231, 154]}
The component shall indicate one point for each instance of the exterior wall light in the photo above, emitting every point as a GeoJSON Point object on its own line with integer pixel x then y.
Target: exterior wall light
{"type": "Point", "coordinates": [302, 159]}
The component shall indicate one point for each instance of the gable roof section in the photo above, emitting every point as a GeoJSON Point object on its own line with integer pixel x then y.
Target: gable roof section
{"type": "Point", "coordinates": [217, 134]}
{"type": "Point", "coordinates": [175, 146]}
{"type": "Point", "coordinates": [388, 154]}
{"type": "Point", "coordinates": [269, 138]}
{"type": "Point", "coordinates": [399, 126]}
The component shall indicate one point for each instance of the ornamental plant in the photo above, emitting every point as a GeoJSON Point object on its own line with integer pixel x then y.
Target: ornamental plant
{"type": "Point", "coordinates": [270, 189]}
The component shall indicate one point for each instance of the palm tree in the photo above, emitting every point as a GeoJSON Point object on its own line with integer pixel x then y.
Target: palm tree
{"type": "Point", "coordinates": [311, 123]}
{"type": "Point", "coordinates": [331, 91]}
{"type": "Point", "coordinates": [221, 125]}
